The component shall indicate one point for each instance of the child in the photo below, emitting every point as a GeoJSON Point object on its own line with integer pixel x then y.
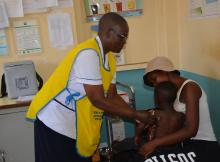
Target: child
{"type": "Point", "coordinates": [167, 121]}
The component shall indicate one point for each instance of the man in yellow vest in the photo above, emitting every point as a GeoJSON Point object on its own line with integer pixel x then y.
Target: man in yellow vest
{"type": "Point", "coordinates": [68, 109]}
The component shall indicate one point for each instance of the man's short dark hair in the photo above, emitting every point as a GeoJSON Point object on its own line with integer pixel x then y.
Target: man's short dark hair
{"type": "Point", "coordinates": [109, 20]}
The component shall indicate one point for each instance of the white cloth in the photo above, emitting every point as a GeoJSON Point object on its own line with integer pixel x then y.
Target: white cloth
{"type": "Point", "coordinates": [205, 130]}
{"type": "Point", "coordinates": [85, 70]}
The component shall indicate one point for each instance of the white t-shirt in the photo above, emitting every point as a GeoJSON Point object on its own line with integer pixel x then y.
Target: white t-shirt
{"type": "Point", "coordinates": [205, 130]}
{"type": "Point", "coordinates": [85, 70]}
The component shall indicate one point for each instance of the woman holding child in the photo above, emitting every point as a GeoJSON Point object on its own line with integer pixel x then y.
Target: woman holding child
{"type": "Point", "coordinates": [197, 132]}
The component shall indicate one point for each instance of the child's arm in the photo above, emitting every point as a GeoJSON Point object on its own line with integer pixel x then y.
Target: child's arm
{"type": "Point", "coordinates": [139, 127]}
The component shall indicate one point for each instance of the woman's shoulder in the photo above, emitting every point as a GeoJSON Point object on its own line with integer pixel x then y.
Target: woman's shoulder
{"type": "Point", "coordinates": [191, 88]}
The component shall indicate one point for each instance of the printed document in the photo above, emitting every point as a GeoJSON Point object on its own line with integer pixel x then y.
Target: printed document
{"type": "Point", "coordinates": [60, 30]}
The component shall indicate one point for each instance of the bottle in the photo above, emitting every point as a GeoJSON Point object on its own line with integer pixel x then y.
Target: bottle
{"type": "Point", "coordinates": [131, 4]}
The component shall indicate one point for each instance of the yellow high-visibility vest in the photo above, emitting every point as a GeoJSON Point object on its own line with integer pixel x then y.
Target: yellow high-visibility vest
{"type": "Point", "coordinates": [88, 117]}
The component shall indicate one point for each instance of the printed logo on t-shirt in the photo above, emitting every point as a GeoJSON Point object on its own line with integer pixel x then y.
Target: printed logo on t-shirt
{"type": "Point", "coordinates": [173, 157]}
{"type": "Point", "coordinates": [97, 115]}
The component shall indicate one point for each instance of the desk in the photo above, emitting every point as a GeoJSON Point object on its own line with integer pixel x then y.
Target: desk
{"type": "Point", "coordinates": [7, 103]}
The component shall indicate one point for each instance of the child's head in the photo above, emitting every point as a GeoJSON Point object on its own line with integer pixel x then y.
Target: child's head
{"type": "Point", "coordinates": [165, 93]}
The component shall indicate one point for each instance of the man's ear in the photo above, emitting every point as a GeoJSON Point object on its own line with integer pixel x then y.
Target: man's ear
{"type": "Point", "coordinates": [106, 37]}
{"type": "Point", "coordinates": [109, 34]}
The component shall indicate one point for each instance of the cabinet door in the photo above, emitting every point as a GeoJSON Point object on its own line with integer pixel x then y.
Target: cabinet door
{"type": "Point", "coordinates": [16, 135]}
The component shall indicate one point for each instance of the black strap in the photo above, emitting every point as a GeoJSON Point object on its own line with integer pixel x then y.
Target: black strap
{"type": "Point", "coordinates": [63, 104]}
{"type": "Point", "coordinates": [40, 81]}
{"type": "Point", "coordinates": [3, 87]}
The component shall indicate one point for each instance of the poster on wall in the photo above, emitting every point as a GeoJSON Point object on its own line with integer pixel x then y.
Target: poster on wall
{"type": "Point", "coordinates": [30, 6]}
{"type": "Point", "coordinates": [3, 43]}
{"type": "Point", "coordinates": [36, 6]}
{"type": "Point", "coordinates": [14, 8]}
{"type": "Point", "coordinates": [96, 8]}
{"type": "Point", "coordinates": [65, 3]}
{"type": "Point", "coordinates": [27, 37]}
{"type": "Point", "coordinates": [60, 30]}
{"type": "Point", "coordinates": [204, 8]}
{"type": "Point", "coordinates": [3, 16]}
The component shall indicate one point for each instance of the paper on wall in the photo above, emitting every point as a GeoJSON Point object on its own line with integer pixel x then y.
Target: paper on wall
{"type": "Point", "coordinates": [27, 37]}
{"type": "Point", "coordinates": [3, 16]}
{"type": "Point", "coordinates": [3, 43]}
{"type": "Point", "coordinates": [204, 8]}
{"type": "Point", "coordinates": [211, 8]}
{"type": "Point", "coordinates": [29, 6]}
{"type": "Point", "coordinates": [14, 8]}
{"type": "Point", "coordinates": [45, 3]}
{"type": "Point", "coordinates": [60, 30]}
{"type": "Point", "coordinates": [65, 3]}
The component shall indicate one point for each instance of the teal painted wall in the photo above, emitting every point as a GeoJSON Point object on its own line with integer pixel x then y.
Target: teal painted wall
{"type": "Point", "coordinates": [144, 96]}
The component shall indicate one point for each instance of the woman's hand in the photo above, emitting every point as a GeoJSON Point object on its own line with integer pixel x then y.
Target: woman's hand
{"type": "Point", "coordinates": [147, 149]}
{"type": "Point", "coordinates": [137, 140]}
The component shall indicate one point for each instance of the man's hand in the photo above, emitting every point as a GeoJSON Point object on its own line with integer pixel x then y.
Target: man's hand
{"type": "Point", "coordinates": [145, 117]}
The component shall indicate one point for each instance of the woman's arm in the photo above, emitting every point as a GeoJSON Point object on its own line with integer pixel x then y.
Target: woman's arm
{"type": "Point", "coordinates": [190, 96]}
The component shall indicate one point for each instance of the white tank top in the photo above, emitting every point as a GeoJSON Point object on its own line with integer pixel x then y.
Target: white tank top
{"type": "Point", "coordinates": [205, 130]}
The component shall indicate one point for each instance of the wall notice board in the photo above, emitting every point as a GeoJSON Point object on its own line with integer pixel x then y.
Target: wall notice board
{"type": "Point", "coordinates": [28, 38]}
{"type": "Point", "coordinates": [96, 8]}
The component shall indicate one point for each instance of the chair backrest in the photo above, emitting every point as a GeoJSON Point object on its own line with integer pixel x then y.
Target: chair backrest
{"type": "Point", "coordinates": [3, 87]}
